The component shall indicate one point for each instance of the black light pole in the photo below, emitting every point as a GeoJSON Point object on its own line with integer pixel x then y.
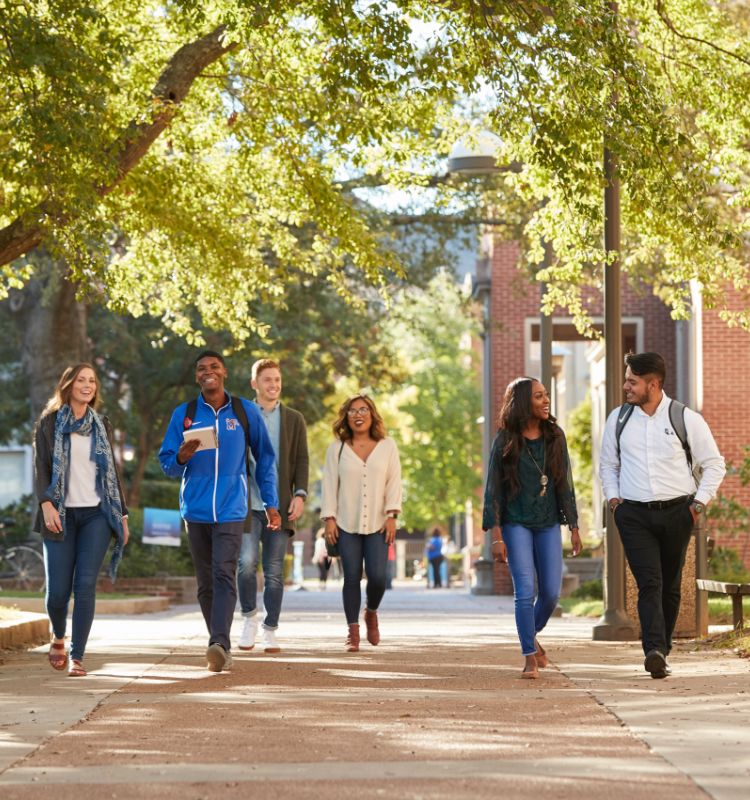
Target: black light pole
{"type": "Point", "coordinates": [545, 331]}
{"type": "Point", "coordinates": [614, 624]}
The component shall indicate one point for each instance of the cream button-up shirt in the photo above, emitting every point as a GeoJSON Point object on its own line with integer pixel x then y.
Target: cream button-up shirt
{"type": "Point", "coordinates": [652, 464]}
{"type": "Point", "coordinates": [359, 493]}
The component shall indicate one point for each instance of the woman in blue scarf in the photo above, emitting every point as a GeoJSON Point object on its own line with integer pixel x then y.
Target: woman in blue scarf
{"type": "Point", "coordinates": [81, 507]}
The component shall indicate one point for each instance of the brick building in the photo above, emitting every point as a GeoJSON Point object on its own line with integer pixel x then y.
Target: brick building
{"type": "Point", "coordinates": [708, 363]}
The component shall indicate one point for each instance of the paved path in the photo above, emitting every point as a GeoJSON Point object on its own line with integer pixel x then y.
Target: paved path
{"type": "Point", "coordinates": [436, 711]}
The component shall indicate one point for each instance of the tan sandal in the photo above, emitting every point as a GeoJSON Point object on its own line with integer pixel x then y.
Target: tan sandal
{"type": "Point", "coordinates": [541, 655]}
{"type": "Point", "coordinates": [58, 656]}
{"type": "Point", "coordinates": [530, 670]}
{"type": "Point", "coordinates": [76, 669]}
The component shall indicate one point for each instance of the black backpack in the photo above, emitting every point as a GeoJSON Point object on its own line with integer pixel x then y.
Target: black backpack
{"type": "Point", "coordinates": [677, 421]}
{"type": "Point", "coordinates": [239, 412]}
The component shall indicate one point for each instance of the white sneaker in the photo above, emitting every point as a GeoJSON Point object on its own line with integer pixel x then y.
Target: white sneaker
{"type": "Point", "coordinates": [270, 645]}
{"type": "Point", "coordinates": [249, 632]}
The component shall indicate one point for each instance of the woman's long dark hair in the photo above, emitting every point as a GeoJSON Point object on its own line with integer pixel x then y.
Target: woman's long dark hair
{"type": "Point", "coordinates": [514, 415]}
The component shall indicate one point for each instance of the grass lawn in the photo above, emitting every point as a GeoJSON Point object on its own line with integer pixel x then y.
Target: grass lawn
{"type": "Point", "coordinates": [582, 606]}
{"type": "Point", "coordinates": [719, 608]}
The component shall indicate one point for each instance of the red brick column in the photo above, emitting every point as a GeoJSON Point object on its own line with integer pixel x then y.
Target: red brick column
{"type": "Point", "coordinates": [726, 389]}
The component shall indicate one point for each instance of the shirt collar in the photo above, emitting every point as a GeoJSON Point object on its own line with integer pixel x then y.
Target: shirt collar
{"type": "Point", "coordinates": [660, 409]}
{"type": "Point", "coordinates": [268, 413]}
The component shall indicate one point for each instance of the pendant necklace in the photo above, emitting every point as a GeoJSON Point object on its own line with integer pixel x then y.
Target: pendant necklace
{"type": "Point", "coordinates": [543, 479]}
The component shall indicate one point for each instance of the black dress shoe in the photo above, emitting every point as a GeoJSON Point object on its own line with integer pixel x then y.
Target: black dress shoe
{"type": "Point", "coordinates": [656, 664]}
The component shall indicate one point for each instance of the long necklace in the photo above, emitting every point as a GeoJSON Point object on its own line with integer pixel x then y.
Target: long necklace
{"type": "Point", "coordinates": [543, 479]}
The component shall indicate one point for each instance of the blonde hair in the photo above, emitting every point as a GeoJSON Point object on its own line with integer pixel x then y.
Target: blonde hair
{"type": "Point", "coordinates": [64, 388]}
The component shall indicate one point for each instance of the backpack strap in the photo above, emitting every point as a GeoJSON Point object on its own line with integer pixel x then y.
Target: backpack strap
{"type": "Point", "coordinates": [677, 420]}
{"type": "Point", "coordinates": [623, 415]}
{"type": "Point", "coordinates": [241, 414]}
{"type": "Point", "coordinates": [192, 407]}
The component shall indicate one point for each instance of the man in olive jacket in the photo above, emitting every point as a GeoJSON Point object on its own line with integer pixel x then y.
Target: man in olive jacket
{"type": "Point", "coordinates": [288, 434]}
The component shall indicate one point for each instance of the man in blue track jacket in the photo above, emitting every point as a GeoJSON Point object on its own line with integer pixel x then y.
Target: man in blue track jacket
{"type": "Point", "coordinates": [214, 492]}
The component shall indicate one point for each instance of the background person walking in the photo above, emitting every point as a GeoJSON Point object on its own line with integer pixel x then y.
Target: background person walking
{"type": "Point", "coordinates": [288, 434]}
{"type": "Point", "coordinates": [647, 478]}
{"type": "Point", "coordinates": [529, 494]}
{"type": "Point", "coordinates": [435, 558]}
{"type": "Point", "coordinates": [81, 507]}
{"type": "Point", "coordinates": [361, 503]}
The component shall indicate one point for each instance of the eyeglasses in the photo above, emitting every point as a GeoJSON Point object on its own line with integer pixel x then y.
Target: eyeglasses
{"type": "Point", "coordinates": [358, 412]}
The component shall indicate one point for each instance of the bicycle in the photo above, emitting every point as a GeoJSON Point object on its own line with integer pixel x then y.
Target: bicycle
{"type": "Point", "coordinates": [21, 564]}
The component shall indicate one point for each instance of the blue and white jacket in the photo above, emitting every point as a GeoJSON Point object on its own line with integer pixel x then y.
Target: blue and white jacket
{"type": "Point", "coordinates": [214, 482]}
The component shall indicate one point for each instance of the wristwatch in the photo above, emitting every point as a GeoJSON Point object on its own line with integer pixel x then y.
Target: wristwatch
{"type": "Point", "coordinates": [392, 515]}
{"type": "Point", "coordinates": [699, 508]}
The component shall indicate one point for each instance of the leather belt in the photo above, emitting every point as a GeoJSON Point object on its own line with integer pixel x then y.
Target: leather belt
{"type": "Point", "coordinates": [659, 504]}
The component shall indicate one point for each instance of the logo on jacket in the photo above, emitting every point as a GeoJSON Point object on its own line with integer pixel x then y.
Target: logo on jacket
{"type": "Point", "coordinates": [232, 424]}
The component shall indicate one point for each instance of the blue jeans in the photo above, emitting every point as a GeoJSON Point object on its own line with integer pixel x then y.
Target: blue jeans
{"type": "Point", "coordinates": [214, 548]}
{"type": "Point", "coordinates": [356, 548]}
{"type": "Point", "coordinates": [535, 561]}
{"type": "Point", "coordinates": [73, 565]}
{"type": "Point", "coordinates": [273, 551]}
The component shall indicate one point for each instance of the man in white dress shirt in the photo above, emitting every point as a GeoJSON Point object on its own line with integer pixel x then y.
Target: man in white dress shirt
{"type": "Point", "coordinates": [650, 487]}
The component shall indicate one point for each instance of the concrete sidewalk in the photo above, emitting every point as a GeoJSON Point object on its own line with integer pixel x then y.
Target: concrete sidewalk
{"type": "Point", "coordinates": [437, 710]}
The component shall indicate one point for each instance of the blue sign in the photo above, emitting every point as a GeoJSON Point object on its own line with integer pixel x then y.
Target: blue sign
{"type": "Point", "coordinates": [161, 526]}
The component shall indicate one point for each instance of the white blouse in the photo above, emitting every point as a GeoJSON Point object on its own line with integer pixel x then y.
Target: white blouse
{"type": "Point", "coordinates": [359, 493]}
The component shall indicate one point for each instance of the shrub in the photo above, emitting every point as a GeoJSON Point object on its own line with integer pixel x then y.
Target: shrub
{"type": "Point", "coordinates": [726, 565]}
{"type": "Point", "coordinates": [160, 494]}
{"type": "Point", "coordinates": [16, 519]}
{"type": "Point", "coordinates": [149, 560]}
{"type": "Point", "coordinates": [590, 590]}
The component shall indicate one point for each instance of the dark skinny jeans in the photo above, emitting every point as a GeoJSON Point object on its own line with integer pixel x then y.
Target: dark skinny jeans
{"type": "Point", "coordinates": [72, 566]}
{"type": "Point", "coordinates": [356, 548]}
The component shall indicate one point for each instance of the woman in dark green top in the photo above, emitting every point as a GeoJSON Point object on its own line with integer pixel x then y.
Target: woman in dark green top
{"type": "Point", "coordinates": [529, 494]}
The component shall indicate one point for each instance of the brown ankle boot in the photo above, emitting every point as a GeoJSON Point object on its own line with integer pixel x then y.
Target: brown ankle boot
{"type": "Point", "coordinates": [371, 620]}
{"type": "Point", "coordinates": [352, 640]}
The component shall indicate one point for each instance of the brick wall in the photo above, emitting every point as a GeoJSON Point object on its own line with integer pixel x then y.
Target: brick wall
{"type": "Point", "coordinates": [514, 298]}
{"type": "Point", "coordinates": [726, 390]}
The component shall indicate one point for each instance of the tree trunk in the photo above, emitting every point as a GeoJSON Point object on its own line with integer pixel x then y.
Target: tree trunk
{"type": "Point", "coordinates": [52, 323]}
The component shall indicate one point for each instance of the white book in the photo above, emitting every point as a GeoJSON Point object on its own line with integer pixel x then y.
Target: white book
{"type": "Point", "coordinates": [206, 437]}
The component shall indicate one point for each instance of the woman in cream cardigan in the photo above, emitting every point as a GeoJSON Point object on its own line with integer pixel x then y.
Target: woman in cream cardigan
{"type": "Point", "coordinates": [361, 503]}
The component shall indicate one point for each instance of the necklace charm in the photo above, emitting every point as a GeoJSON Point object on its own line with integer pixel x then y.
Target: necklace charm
{"type": "Point", "coordinates": [543, 479]}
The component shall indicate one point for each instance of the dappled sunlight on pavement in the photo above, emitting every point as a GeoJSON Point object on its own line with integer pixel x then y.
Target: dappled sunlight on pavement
{"type": "Point", "coordinates": [437, 710]}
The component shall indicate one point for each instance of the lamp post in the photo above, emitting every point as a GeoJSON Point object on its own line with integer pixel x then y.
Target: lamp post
{"type": "Point", "coordinates": [614, 624]}
{"type": "Point", "coordinates": [479, 158]}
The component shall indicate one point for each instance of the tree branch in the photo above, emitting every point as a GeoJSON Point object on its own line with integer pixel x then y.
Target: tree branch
{"type": "Point", "coordinates": [172, 87]}
{"type": "Point", "coordinates": [661, 12]}
{"type": "Point", "coordinates": [429, 219]}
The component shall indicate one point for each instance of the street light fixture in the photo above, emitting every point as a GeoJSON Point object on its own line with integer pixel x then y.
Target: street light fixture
{"type": "Point", "coordinates": [478, 156]}
{"type": "Point", "coordinates": [614, 625]}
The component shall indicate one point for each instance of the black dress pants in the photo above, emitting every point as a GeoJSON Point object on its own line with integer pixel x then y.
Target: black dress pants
{"type": "Point", "coordinates": [655, 542]}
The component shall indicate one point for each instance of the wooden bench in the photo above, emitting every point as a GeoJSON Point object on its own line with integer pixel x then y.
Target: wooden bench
{"type": "Point", "coordinates": [735, 590]}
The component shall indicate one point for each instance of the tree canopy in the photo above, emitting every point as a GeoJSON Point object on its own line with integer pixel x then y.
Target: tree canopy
{"type": "Point", "coordinates": [184, 156]}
